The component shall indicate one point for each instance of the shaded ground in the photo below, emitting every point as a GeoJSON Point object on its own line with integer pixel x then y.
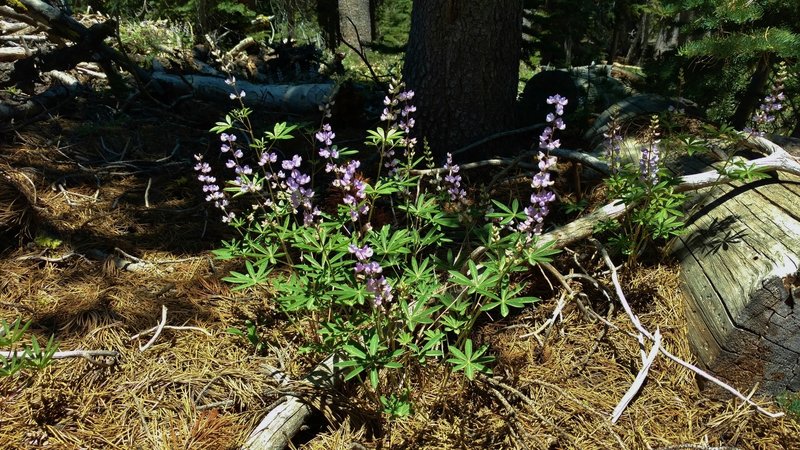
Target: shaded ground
{"type": "Point", "coordinates": [120, 187]}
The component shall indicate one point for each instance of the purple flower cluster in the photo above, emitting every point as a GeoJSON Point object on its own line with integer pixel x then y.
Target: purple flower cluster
{"type": "Point", "coordinates": [295, 186]}
{"type": "Point", "coordinates": [397, 111]}
{"type": "Point", "coordinates": [770, 106]}
{"type": "Point", "coordinates": [212, 189]}
{"type": "Point", "coordinates": [372, 273]}
{"type": "Point", "coordinates": [243, 179]}
{"type": "Point", "coordinates": [353, 188]}
{"type": "Point", "coordinates": [231, 81]}
{"type": "Point", "coordinates": [452, 181]}
{"type": "Point", "coordinates": [542, 195]}
{"type": "Point", "coordinates": [648, 164]}
{"type": "Point", "coordinates": [613, 147]}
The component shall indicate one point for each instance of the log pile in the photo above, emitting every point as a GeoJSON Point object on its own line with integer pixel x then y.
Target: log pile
{"type": "Point", "coordinates": [44, 44]}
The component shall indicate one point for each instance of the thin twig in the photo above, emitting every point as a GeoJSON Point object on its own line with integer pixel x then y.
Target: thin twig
{"type": "Point", "coordinates": [360, 52]}
{"type": "Point", "coordinates": [171, 327]}
{"type": "Point", "coordinates": [642, 330]}
{"type": "Point", "coordinates": [640, 378]}
{"type": "Point", "coordinates": [88, 355]}
{"type": "Point", "coordinates": [147, 193]}
{"type": "Point", "coordinates": [159, 328]}
{"type": "Point", "coordinates": [48, 259]}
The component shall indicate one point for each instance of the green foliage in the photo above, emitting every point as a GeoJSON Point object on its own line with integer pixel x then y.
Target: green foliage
{"type": "Point", "coordinates": [790, 401]}
{"type": "Point", "coordinates": [393, 23]}
{"type": "Point", "coordinates": [657, 208]}
{"type": "Point", "coordinates": [251, 334]}
{"type": "Point", "coordinates": [727, 39]}
{"type": "Point", "coordinates": [33, 355]}
{"type": "Point", "coordinates": [384, 297]}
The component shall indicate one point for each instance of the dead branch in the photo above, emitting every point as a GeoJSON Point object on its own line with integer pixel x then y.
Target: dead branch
{"type": "Point", "coordinates": [296, 99]}
{"type": "Point", "coordinates": [284, 421]}
{"type": "Point", "coordinates": [8, 54]}
{"type": "Point", "coordinates": [158, 330]}
{"type": "Point", "coordinates": [52, 98]}
{"type": "Point", "coordinates": [12, 27]}
{"type": "Point", "coordinates": [640, 329]}
{"type": "Point", "coordinates": [7, 11]}
{"type": "Point", "coordinates": [89, 355]}
{"type": "Point", "coordinates": [23, 37]}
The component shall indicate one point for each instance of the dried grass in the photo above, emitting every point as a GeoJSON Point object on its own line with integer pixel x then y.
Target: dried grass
{"type": "Point", "coordinates": [195, 391]}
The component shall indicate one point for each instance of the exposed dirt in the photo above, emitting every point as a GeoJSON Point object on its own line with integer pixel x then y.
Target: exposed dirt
{"type": "Point", "coordinates": [96, 187]}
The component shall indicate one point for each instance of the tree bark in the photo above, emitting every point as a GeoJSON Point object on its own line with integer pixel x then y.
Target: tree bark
{"type": "Point", "coordinates": [355, 21]}
{"type": "Point", "coordinates": [463, 63]}
{"type": "Point", "coordinates": [752, 95]}
{"type": "Point", "coordinates": [328, 21]}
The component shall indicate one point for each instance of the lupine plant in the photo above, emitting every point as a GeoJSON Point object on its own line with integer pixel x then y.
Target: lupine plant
{"type": "Point", "coordinates": [372, 262]}
{"type": "Point", "coordinates": [13, 360]}
{"type": "Point", "coordinates": [649, 188]}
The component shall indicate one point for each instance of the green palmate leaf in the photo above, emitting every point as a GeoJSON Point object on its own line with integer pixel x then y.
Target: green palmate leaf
{"type": "Point", "coordinates": [419, 313]}
{"type": "Point", "coordinates": [256, 274]}
{"type": "Point", "coordinates": [542, 253]}
{"type": "Point", "coordinates": [396, 406]}
{"type": "Point", "coordinates": [221, 127]}
{"type": "Point", "coordinates": [281, 132]}
{"type": "Point", "coordinates": [507, 298]}
{"type": "Point", "coordinates": [468, 361]}
{"type": "Point", "coordinates": [506, 214]}
{"type": "Point", "coordinates": [383, 187]}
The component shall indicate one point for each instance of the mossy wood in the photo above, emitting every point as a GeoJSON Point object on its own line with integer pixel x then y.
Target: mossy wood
{"type": "Point", "coordinates": [740, 258]}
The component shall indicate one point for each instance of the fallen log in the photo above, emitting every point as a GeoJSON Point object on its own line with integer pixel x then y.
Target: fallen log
{"type": "Point", "coordinates": [740, 260]}
{"type": "Point", "coordinates": [278, 427]}
{"type": "Point", "coordinates": [8, 54]}
{"type": "Point", "coordinates": [66, 89]}
{"type": "Point", "coordinates": [300, 99]}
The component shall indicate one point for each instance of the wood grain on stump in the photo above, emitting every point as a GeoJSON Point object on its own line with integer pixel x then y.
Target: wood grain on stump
{"type": "Point", "coordinates": [740, 259]}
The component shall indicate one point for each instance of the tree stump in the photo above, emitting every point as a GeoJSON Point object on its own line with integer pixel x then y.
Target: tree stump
{"type": "Point", "coordinates": [740, 259]}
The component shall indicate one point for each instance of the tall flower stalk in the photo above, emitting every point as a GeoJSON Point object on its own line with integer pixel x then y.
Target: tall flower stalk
{"type": "Point", "coordinates": [541, 182]}
{"type": "Point", "coordinates": [771, 105]}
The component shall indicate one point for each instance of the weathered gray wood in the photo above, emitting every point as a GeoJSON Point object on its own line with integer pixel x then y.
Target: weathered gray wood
{"type": "Point", "coordinates": [284, 421]}
{"type": "Point", "coordinates": [304, 98]}
{"type": "Point", "coordinates": [740, 259]}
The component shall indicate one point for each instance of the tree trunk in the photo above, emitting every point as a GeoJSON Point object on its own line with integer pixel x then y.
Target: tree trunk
{"type": "Point", "coordinates": [355, 21]}
{"type": "Point", "coordinates": [639, 45]}
{"type": "Point", "coordinates": [328, 21]}
{"type": "Point", "coordinates": [752, 95]}
{"type": "Point", "coordinates": [462, 61]}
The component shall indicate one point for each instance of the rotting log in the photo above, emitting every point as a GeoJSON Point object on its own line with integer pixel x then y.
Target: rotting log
{"type": "Point", "coordinates": [300, 99]}
{"type": "Point", "coordinates": [278, 427]}
{"type": "Point", "coordinates": [740, 257]}
{"type": "Point", "coordinates": [65, 89]}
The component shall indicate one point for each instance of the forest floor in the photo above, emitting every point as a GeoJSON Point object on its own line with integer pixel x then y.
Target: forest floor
{"type": "Point", "coordinates": [117, 230]}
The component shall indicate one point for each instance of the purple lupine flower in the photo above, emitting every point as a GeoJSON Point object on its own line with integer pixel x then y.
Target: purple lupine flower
{"type": "Point", "coordinates": [649, 164]}
{"type": "Point", "coordinates": [296, 181]}
{"type": "Point", "coordinates": [325, 137]}
{"type": "Point", "coordinates": [613, 148]}
{"type": "Point", "coordinates": [541, 181]}
{"type": "Point", "coordinates": [770, 106]}
{"type": "Point", "coordinates": [397, 112]}
{"type": "Point", "coordinates": [376, 283]}
{"type": "Point", "coordinates": [213, 191]}
{"type": "Point", "coordinates": [267, 158]}
{"type": "Point", "coordinates": [353, 188]}
{"type": "Point", "coordinates": [452, 181]}
{"type": "Point", "coordinates": [362, 253]}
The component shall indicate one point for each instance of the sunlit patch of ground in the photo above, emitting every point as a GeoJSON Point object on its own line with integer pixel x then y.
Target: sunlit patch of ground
{"type": "Point", "coordinates": [206, 389]}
